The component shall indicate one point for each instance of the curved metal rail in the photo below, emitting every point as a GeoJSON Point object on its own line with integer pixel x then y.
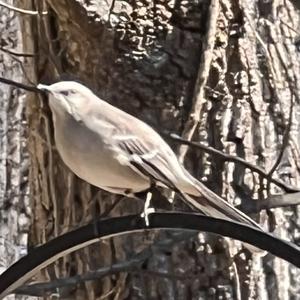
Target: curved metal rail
{"type": "Point", "coordinates": [43, 255]}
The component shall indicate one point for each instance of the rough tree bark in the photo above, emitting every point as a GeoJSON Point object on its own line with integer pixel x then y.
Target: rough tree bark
{"type": "Point", "coordinates": [15, 210]}
{"type": "Point", "coordinates": [222, 72]}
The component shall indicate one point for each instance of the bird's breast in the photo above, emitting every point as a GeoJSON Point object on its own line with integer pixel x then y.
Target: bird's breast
{"type": "Point", "coordinates": [90, 156]}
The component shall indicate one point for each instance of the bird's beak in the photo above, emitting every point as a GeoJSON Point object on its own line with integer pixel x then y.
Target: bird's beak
{"type": "Point", "coordinates": [44, 88]}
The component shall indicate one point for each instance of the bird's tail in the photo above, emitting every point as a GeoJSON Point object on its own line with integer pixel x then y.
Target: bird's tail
{"type": "Point", "coordinates": [213, 205]}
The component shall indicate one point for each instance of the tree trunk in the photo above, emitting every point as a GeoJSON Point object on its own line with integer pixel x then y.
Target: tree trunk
{"type": "Point", "coordinates": [15, 210]}
{"type": "Point", "coordinates": [225, 73]}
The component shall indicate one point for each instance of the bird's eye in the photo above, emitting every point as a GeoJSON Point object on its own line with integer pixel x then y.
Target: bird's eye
{"type": "Point", "coordinates": [65, 93]}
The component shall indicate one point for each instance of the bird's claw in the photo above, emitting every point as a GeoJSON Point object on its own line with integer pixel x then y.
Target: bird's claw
{"type": "Point", "coordinates": [145, 214]}
{"type": "Point", "coordinates": [147, 209]}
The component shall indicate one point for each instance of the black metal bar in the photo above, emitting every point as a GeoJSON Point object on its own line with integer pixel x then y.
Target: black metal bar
{"type": "Point", "coordinates": [42, 256]}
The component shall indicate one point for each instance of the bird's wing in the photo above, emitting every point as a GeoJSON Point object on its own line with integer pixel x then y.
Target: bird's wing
{"type": "Point", "coordinates": [139, 145]}
{"type": "Point", "coordinates": [146, 159]}
{"type": "Point", "coordinates": [135, 143]}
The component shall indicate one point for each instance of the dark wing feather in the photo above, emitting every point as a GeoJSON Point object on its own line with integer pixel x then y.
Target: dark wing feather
{"type": "Point", "coordinates": [147, 161]}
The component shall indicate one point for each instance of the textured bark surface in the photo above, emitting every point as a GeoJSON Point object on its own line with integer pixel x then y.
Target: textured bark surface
{"type": "Point", "coordinates": [222, 72]}
{"type": "Point", "coordinates": [15, 210]}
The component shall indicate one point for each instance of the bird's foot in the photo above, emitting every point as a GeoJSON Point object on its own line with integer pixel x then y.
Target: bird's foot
{"type": "Point", "coordinates": [171, 197]}
{"type": "Point", "coordinates": [146, 213]}
{"type": "Point", "coordinates": [147, 209]}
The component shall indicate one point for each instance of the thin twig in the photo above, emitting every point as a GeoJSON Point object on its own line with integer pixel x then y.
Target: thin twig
{"type": "Point", "coordinates": [40, 289]}
{"type": "Point", "coordinates": [22, 11]}
{"type": "Point", "coordinates": [293, 93]}
{"type": "Point", "coordinates": [172, 275]}
{"type": "Point", "coordinates": [266, 51]}
{"type": "Point", "coordinates": [51, 175]}
{"type": "Point", "coordinates": [29, 88]}
{"type": "Point", "coordinates": [202, 77]}
{"type": "Point", "coordinates": [129, 266]}
{"type": "Point", "coordinates": [287, 188]}
{"type": "Point", "coordinates": [285, 139]}
{"type": "Point", "coordinates": [112, 207]}
{"type": "Point", "coordinates": [45, 31]}
{"type": "Point", "coordinates": [21, 64]}
{"type": "Point", "coordinates": [236, 281]}
{"type": "Point", "coordinates": [11, 52]}
{"type": "Point", "coordinates": [275, 78]}
{"type": "Point", "coordinates": [289, 26]}
{"type": "Point", "coordinates": [273, 201]}
{"type": "Point", "coordinates": [111, 8]}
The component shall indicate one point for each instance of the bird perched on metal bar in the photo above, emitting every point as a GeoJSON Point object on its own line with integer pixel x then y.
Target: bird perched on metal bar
{"type": "Point", "coordinates": [119, 153]}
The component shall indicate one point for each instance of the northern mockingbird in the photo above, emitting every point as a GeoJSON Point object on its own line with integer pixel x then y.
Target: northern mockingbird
{"type": "Point", "coordinates": [119, 153]}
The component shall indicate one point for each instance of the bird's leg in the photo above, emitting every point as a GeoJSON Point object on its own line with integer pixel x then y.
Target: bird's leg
{"type": "Point", "coordinates": [171, 197]}
{"type": "Point", "coordinates": [147, 209]}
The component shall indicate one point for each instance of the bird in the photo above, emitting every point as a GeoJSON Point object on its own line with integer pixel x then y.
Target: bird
{"type": "Point", "coordinates": [121, 154]}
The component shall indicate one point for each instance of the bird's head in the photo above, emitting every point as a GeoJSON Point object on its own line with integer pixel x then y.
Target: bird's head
{"type": "Point", "coordinates": [67, 96]}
